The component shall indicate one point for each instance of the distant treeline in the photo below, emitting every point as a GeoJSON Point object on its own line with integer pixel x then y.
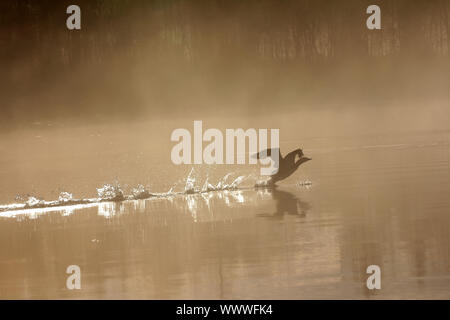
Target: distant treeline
{"type": "Point", "coordinates": [195, 29]}
{"type": "Point", "coordinates": [36, 46]}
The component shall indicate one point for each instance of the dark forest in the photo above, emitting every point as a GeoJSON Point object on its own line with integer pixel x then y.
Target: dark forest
{"type": "Point", "coordinates": [160, 57]}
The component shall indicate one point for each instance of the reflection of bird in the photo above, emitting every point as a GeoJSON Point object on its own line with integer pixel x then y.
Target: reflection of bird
{"type": "Point", "coordinates": [288, 203]}
{"type": "Point", "coordinates": [287, 165]}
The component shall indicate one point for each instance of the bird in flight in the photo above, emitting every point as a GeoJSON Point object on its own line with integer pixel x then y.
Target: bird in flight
{"type": "Point", "coordinates": [287, 165]}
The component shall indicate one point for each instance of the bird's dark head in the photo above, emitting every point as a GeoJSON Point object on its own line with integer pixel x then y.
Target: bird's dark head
{"type": "Point", "coordinates": [300, 157]}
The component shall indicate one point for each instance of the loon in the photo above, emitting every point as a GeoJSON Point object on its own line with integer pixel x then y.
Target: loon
{"type": "Point", "coordinates": [287, 165]}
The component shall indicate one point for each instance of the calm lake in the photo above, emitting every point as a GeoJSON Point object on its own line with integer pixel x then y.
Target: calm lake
{"type": "Point", "coordinates": [371, 199]}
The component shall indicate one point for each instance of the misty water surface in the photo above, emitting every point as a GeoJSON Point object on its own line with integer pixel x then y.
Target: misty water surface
{"type": "Point", "coordinates": [375, 198]}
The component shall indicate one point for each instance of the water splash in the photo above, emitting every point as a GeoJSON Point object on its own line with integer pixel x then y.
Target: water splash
{"type": "Point", "coordinates": [114, 193]}
{"type": "Point", "coordinates": [189, 187]}
{"type": "Point", "coordinates": [140, 192]}
{"type": "Point", "coordinates": [65, 197]}
{"type": "Point", "coordinates": [235, 184]}
{"type": "Point", "coordinates": [110, 192]}
{"type": "Point", "coordinates": [307, 184]}
{"type": "Point", "coordinates": [262, 183]}
{"type": "Point", "coordinates": [34, 202]}
{"type": "Point", "coordinates": [221, 185]}
{"type": "Point", "coordinates": [207, 187]}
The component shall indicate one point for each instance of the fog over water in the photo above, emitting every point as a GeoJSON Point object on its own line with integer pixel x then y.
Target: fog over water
{"type": "Point", "coordinates": [86, 176]}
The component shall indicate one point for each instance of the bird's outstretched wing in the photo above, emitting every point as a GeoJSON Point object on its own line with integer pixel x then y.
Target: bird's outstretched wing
{"type": "Point", "coordinates": [273, 152]}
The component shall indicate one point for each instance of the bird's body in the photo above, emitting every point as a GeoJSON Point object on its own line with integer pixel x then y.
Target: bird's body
{"type": "Point", "coordinates": [287, 165]}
